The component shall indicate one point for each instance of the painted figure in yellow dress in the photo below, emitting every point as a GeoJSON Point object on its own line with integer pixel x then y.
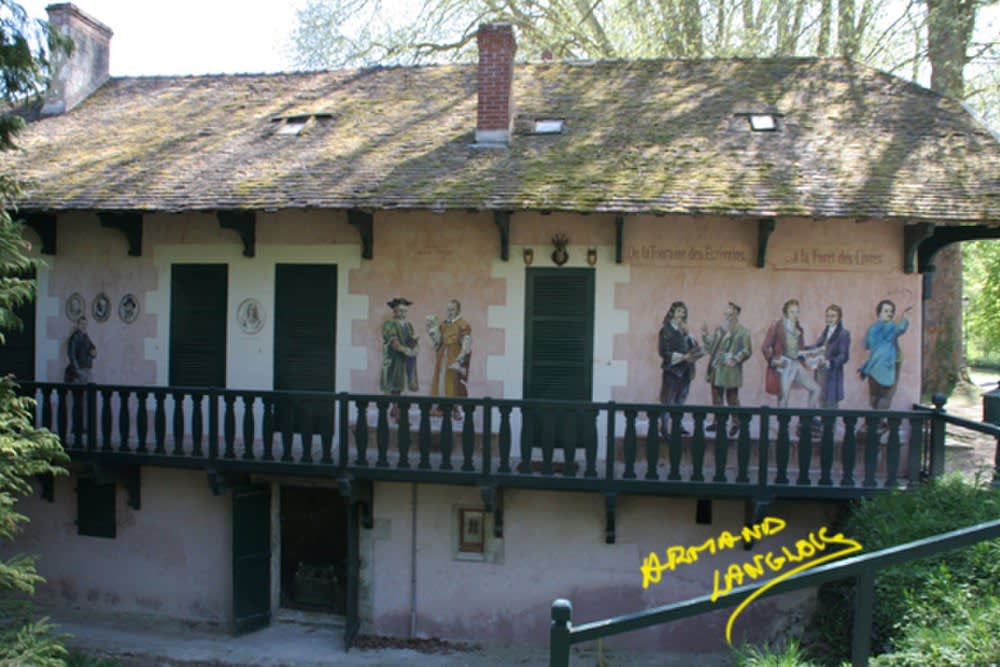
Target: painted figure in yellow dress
{"type": "Point", "coordinates": [453, 347]}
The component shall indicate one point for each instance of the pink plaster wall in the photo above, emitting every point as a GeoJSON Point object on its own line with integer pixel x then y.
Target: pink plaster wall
{"type": "Point", "coordinates": [806, 260]}
{"type": "Point", "coordinates": [430, 259]}
{"type": "Point", "coordinates": [93, 259]}
{"type": "Point", "coordinates": [171, 558]}
{"type": "Point", "coordinates": [554, 547]}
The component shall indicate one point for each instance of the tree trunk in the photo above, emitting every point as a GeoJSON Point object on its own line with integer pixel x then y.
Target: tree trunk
{"type": "Point", "coordinates": [847, 40]}
{"type": "Point", "coordinates": [949, 30]}
{"type": "Point", "coordinates": [825, 17]}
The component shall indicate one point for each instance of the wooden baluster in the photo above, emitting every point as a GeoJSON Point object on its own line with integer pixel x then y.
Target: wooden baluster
{"type": "Point", "coordinates": [782, 449]}
{"type": "Point", "coordinates": [361, 433]}
{"type": "Point", "coordinates": [826, 451]}
{"type": "Point", "coordinates": [78, 399]}
{"type": "Point", "coordinates": [326, 432]}
{"type": "Point", "coordinates": [504, 439]}
{"type": "Point", "coordinates": [61, 416]}
{"type": "Point", "coordinates": [197, 425]}
{"type": "Point", "coordinates": [468, 436]}
{"type": "Point", "coordinates": [286, 415]}
{"type": "Point", "coordinates": [763, 447]}
{"type": "Point", "coordinates": [229, 425]}
{"type": "Point", "coordinates": [849, 452]}
{"type": "Point", "coordinates": [743, 449]}
{"type": "Point", "coordinates": [529, 415]}
{"type": "Point", "coordinates": [124, 420]}
{"type": "Point", "coordinates": [424, 442]}
{"type": "Point", "coordinates": [892, 454]}
{"type": "Point", "coordinates": [178, 424]}
{"type": "Point", "coordinates": [141, 421]}
{"type": "Point", "coordinates": [652, 445]}
{"type": "Point", "coordinates": [213, 424]}
{"type": "Point", "coordinates": [267, 427]}
{"type": "Point", "coordinates": [676, 442]}
{"type": "Point", "coordinates": [871, 450]}
{"type": "Point", "coordinates": [248, 427]}
{"type": "Point", "coordinates": [106, 433]}
{"type": "Point", "coordinates": [403, 434]}
{"type": "Point", "coordinates": [805, 449]}
{"type": "Point", "coordinates": [571, 436]}
{"type": "Point", "coordinates": [721, 449]}
{"type": "Point", "coordinates": [446, 436]}
{"type": "Point", "coordinates": [629, 445]}
{"type": "Point", "coordinates": [548, 417]}
{"type": "Point", "coordinates": [306, 420]}
{"type": "Point", "coordinates": [382, 434]}
{"type": "Point", "coordinates": [698, 448]}
{"type": "Point", "coordinates": [916, 451]}
{"type": "Point", "coordinates": [160, 423]}
{"type": "Point", "coordinates": [47, 409]}
{"type": "Point", "coordinates": [487, 436]}
{"type": "Point", "coordinates": [590, 436]}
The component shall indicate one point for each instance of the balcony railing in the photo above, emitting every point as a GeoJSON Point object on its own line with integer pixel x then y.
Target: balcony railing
{"type": "Point", "coordinates": [609, 447]}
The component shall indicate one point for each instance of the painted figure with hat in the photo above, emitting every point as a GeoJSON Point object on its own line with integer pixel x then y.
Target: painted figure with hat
{"type": "Point", "coordinates": [399, 351]}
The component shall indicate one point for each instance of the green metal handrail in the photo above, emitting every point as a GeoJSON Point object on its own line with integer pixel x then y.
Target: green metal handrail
{"type": "Point", "coordinates": [862, 568]}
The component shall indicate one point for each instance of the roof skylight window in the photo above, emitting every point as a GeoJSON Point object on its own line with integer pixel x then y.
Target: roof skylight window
{"type": "Point", "coordinates": [292, 127]}
{"type": "Point", "coordinates": [763, 122]}
{"type": "Point", "coordinates": [549, 126]}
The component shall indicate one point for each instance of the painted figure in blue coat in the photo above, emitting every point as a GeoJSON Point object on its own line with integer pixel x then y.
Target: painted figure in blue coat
{"type": "Point", "coordinates": [882, 342]}
{"type": "Point", "coordinates": [836, 343]}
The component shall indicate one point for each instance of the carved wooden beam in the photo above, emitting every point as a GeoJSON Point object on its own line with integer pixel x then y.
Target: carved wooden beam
{"type": "Point", "coordinates": [943, 236]}
{"type": "Point", "coordinates": [765, 228]}
{"type": "Point", "coordinates": [502, 220]}
{"type": "Point", "coordinates": [243, 223]}
{"type": "Point", "coordinates": [43, 224]}
{"type": "Point", "coordinates": [619, 236]}
{"type": "Point", "coordinates": [129, 224]}
{"type": "Point", "coordinates": [364, 224]}
{"type": "Point", "coordinates": [913, 236]}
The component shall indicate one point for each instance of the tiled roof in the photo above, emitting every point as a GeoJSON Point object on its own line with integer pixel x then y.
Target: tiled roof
{"type": "Point", "coordinates": [658, 136]}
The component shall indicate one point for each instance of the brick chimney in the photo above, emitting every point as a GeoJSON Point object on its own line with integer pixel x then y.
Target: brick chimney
{"type": "Point", "coordinates": [496, 76]}
{"type": "Point", "coordinates": [76, 76]}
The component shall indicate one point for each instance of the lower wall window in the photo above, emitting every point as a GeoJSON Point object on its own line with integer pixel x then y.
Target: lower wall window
{"type": "Point", "coordinates": [95, 508]}
{"type": "Point", "coordinates": [472, 531]}
{"type": "Point", "coordinates": [472, 537]}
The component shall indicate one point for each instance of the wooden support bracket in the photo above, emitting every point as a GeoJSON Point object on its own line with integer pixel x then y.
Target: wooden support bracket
{"type": "Point", "coordinates": [610, 511]}
{"type": "Point", "coordinates": [119, 473]}
{"type": "Point", "coordinates": [222, 483]}
{"type": "Point", "coordinates": [754, 511]}
{"type": "Point", "coordinates": [43, 224]}
{"type": "Point", "coordinates": [502, 220]}
{"type": "Point", "coordinates": [913, 236]}
{"type": "Point", "coordinates": [244, 223]}
{"type": "Point", "coordinates": [48, 484]}
{"type": "Point", "coordinates": [765, 228]}
{"type": "Point", "coordinates": [129, 224]}
{"type": "Point", "coordinates": [493, 502]}
{"type": "Point", "coordinates": [364, 223]}
{"type": "Point", "coordinates": [359, 492]}
{"type": "Point", "coordinates": [619, 237]}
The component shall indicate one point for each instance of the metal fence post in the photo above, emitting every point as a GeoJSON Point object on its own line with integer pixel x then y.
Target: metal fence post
{"type": "Point", "coordinates": [562, 615]}
{"type": "Point", "coordinates": [861, 635]}
{"type": "Point", "coordinates": [937, 435]}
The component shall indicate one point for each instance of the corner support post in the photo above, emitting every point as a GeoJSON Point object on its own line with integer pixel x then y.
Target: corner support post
{"type": "Point", "coordinates": [244, 223]}
{"type": "Point", "coordinates": [364, 223]}
{"type": "Point", "coordinates": [619, 236]}
{"type": "Point", "coordinates": [765, 228]}
{"type": "Point", "coordinates": [502, 220]}
{"type": "Point", "coordinates": [129, 224]}
{"type": "Point", "coordinates": [913, 236]}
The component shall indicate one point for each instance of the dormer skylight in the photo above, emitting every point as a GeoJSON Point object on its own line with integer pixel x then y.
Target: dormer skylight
{"type": "Point", "coordinates": [548, 126]}
{"type": "Point", "coordinates": [763, 122]}
{"type": "Point", "coordinates": [294, 125]}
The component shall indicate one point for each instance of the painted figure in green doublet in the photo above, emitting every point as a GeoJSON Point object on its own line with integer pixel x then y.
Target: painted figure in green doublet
{"type": "Point", "coordinates": [399, 351]}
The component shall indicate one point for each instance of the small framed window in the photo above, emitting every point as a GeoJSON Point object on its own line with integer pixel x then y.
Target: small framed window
{"type": "Point", "coordinates": [548, 126]}
{"type": "Point", "coordinates": [95, 508]}
{"type": "Point", "coordinates": [763, 122]}
{"type": "Point", "coordinates": [472, 531]}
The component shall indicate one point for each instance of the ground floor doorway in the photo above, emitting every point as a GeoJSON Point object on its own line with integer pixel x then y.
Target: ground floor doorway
{"type": "Point", "coordinates": [314, 550]}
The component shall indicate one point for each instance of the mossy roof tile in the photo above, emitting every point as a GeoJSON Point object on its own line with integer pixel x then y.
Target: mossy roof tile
{"type": "Point", "coordinates": [656, 136]}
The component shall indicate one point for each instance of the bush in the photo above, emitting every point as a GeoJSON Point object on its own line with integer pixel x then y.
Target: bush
{"type": "Point", "coordinates": [790, 654]}
{"type": "Point", "coordinates": [927, 601]}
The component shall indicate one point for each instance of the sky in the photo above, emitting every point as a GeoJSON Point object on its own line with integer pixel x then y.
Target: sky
{"type": "Point", "coordinates": [190, 36]}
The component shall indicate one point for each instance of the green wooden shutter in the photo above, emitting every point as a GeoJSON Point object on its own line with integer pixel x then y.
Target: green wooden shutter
{"type": "Point", "coordinates": [305, 327]}
{"type": "Point", "coordinates": [251, 558]}
{"type": "Point", "coordinates": [559, 334]}
{"type": "Point", "coordinates": [95, 508]}
{"type": "Point", "coordinates": [198, 305]}
{"type": "Point", "coordinates": [17, 354]}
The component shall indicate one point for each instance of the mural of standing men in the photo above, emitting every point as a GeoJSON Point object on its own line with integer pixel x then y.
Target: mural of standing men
{"type": "Point", "coordinates": [786, 351]}
{"type": "Point", "coordinates": [884, 357]}
{"type": "Point", "coordinates": [679, 351]}
{"type": "Point", "coordinates": [836, 341]}
{"type": "Point", "coordinates": [453, 346]}
{"type": "Point", "coordinates": [399, 352]}
{"type": "Point", "coordinates": [728, 347]}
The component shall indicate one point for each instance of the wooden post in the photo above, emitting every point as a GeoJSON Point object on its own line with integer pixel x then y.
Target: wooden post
{"type": "Point", "coordinates": [562, 623]}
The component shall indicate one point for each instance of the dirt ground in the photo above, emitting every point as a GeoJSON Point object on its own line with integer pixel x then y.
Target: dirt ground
{"type": "Point", "coordinates": [966, 451]}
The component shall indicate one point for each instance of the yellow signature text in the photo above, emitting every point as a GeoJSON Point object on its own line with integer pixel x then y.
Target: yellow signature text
{"type": "Point", "coordinates": [653, 568]}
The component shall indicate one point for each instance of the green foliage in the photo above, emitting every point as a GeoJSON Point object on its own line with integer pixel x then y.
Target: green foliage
{"type": "Point", "coordinates": [982, 287]}
{"type": "Point", "coordinates": [80, 659]}
{"type": "Point", "coordinates": [789, 654]}
{"type": "Point", "coordinates": [935, 594]}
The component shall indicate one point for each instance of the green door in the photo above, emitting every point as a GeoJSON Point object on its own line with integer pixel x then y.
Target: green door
{"type": "Point", "coordinates": [17, 354]}
{"type": "Point", "coordinates": [559, 334]}
{"type": "Point", "coordinates": [198, 303]}
{"type": "Point", "coordinates": [251, 558]}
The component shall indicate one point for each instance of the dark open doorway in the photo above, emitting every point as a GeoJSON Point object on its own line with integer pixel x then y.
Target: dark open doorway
{"type": "Point", "coordinates": [313, 549]}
